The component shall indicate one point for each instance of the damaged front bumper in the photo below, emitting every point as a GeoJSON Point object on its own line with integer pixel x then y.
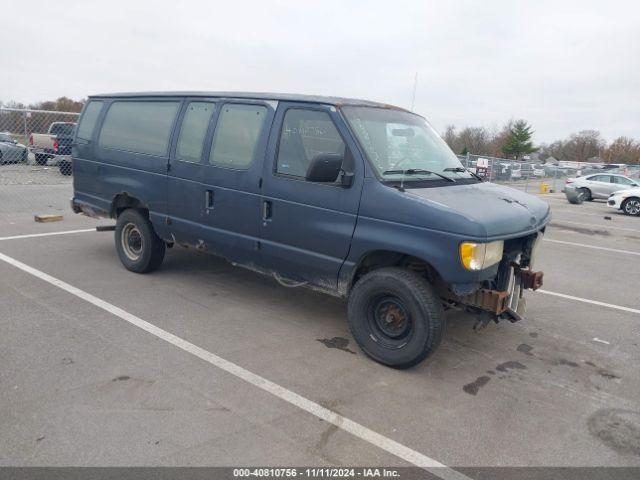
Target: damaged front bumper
{"type": "Point", "coordinates": [502, 297]}
{"type": "Point", "coordinates": [508, 304]}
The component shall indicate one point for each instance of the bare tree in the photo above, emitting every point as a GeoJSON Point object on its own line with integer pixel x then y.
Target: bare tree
{"type": "Point", "coordinates": [451, 137]}
{"type": "Point", "coordinates": [475, 140]}
{"type": "Point", "coordinates": [579, 147]}
{"type": "Point", "coordinates": [623, 150]}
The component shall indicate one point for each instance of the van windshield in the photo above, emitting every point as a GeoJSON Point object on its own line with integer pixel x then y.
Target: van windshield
{"type": "Point", "coordinates": [402, 146]}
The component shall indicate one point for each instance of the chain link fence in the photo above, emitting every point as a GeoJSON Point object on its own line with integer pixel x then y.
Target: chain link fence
{"type": "Point", "coordinates": [35, 167]}
{"type": "Point", "coordinates": [526, 175]}
{"type": "Point", "coordinates": [534, 176]}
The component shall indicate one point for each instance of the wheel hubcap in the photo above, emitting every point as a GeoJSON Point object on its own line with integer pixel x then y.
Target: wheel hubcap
{"type": "Point", "coordinates": [132, 242]}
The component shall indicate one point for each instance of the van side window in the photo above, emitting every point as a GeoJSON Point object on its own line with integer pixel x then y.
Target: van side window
{"type": "Point", "coordinates": [237, 135]}
{"type": "Point", "coordinates": [139, 127]}
{"type": "Point", "coordinates": [305, 134]}
{"type": "Point", "coordinates": [89, 119]}
{"type": "Point", "coordinates": [194, 128]}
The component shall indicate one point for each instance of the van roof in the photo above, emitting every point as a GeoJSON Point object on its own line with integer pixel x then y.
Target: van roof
{"type": "Point", "coordinates": [286, 97]}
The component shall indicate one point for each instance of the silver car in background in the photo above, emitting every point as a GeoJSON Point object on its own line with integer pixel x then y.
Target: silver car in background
{"type": "Point", "coordinates": [599, 185]}
{"type": "Point", "coordinates": [11, 151]}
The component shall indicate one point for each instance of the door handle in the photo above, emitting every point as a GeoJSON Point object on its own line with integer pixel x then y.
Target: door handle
{"type": "Point", "coordinates": [208, 200]}
{"type": "Point", "coordinates": [266, 210]}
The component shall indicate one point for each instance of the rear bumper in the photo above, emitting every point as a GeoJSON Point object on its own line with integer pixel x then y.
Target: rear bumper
{"type": "Point", "coordinates": [80, 207]}
{"type": "Point", "coordinates": [75, 207]}
{"type": "Point", "coordinates": [42, 151]}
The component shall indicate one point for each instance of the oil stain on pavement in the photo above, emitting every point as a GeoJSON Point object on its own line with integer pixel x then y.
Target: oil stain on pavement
{"type": "Point", "coordinates": [336, 342]}
{"type": "Point", "coordinates": [473, 387]}
{"type": "Point", "coordinates": [618, 429]}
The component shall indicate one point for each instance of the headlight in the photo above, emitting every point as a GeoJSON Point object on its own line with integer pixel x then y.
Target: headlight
{"type": "Point", "coordinates": [476, 256]}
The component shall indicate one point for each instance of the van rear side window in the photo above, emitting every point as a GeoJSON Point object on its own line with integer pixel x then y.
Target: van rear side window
{"type": "Point", "coordinates": [237, 135]}
{"type": "Point", "coordinates": [193, 130]}
{"type": "Point", "coordinates": [89, 118]}
{"type": "Point", "coordinates": [139, 127]}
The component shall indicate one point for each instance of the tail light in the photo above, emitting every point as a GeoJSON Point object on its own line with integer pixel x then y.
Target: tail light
{"type": "Point", "coordinates": [31, 139]}
{"type": "Point", "coordinates": [569, 180]}
{"type": "Point", "coordinates": [55, 145]}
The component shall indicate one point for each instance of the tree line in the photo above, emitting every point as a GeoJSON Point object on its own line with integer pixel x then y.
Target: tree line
{"type": "Point", "coordinates": [62, 104]}
{"type": "Point", "coordinates": [513, 141]}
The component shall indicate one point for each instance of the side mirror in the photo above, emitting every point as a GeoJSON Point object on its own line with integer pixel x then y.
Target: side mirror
{"type": "Point", "coordinates": [325, 167]}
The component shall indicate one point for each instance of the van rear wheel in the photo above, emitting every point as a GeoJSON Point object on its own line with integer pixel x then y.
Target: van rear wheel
{"type": "Point", "coordinates": [139, 248]}
{"type": "Point", "coordinates": [395, 317]}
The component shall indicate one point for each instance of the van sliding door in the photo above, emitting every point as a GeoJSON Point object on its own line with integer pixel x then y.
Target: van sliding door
{"type": "Point", "coordinates": [215, 201]}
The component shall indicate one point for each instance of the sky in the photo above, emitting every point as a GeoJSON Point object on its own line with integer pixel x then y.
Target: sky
{"type": "Point", "coordinates": [564, 66]}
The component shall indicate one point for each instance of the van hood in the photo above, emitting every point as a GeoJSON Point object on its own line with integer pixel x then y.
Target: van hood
{"type": "Point", "coordinates": [500, 210]}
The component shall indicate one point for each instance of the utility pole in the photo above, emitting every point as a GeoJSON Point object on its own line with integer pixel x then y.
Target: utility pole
{"type": "Point", "coordinates": [415, 86]}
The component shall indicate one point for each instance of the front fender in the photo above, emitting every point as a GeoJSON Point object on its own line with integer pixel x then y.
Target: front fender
{"type": "Point", "coordinates": [438, 249]}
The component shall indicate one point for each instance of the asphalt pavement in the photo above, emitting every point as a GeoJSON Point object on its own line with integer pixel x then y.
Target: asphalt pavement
{"type": "Point", "coordinates": [85, 383]}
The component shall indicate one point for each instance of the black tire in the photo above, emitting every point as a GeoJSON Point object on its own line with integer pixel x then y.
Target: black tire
{"type": "Point", "coordinates": [577, 200]}
{"type": "Point", "coordinates": [631, 206]}
{"type": "Point", "coordinates": [41, 159]}
{"type": "Point", "coordinates": [65, 167]}
{"type": "Point", "coordinates": [587, 195]}
{"type": "Point", "coordinates": [139, 248]}
{"type": "Point", "coordinates": [413, 322]}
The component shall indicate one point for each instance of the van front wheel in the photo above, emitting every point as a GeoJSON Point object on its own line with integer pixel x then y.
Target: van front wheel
{"type": "Point", "coordinates": [139, 248]}
{"type": "Point", "coordinates": [395, 317]}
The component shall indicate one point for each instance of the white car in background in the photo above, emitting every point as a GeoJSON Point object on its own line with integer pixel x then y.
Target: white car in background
{"type": "Point", "coordinates": [600, 185]}
{"type": "Point", "coordinates": [538, 171]}
{"type": "Point", "coordinates": [626, 200]}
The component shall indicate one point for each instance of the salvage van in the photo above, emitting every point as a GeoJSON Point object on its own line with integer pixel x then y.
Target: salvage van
{"type": "Point", "coordinates": [354, 198]}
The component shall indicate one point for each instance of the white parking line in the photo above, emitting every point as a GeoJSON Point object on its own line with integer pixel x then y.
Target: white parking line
{"type": "Point", "coordinates": [559, 221]}
{"type": "Point", "coordinates": [592, 302]}
{"type": "Point", "coordinates": [583, 245]}
{"type": "Point", "coordinates": [48, 234]}
{"type": "Point", "coordinates": [567, 211]}
{"type": "Point", "coordinates": [356, 429]}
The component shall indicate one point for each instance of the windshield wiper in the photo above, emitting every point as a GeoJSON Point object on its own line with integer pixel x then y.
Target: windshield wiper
{"type": "Point", "coordinates": [417, 171]}
{"type": "Point", "coordinates": [461, 170]}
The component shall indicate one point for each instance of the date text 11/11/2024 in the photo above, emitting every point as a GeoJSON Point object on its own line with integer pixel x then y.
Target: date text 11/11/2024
{"type": "Point", "coordinates": [320, 472]}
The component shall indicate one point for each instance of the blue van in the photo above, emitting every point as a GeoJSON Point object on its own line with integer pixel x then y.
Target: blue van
{"type": "Point", "coordinates": [354, 198]}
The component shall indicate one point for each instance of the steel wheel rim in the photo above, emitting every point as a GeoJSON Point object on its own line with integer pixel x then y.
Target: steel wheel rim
{"type": "Point", "coordinates": [132, 242]}
{"type": "Point", "coordinates": [389, 320]}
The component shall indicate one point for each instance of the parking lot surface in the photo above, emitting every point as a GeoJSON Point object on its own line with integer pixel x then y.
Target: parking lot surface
{"type": "Point", "coordinates": [86, 386]}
